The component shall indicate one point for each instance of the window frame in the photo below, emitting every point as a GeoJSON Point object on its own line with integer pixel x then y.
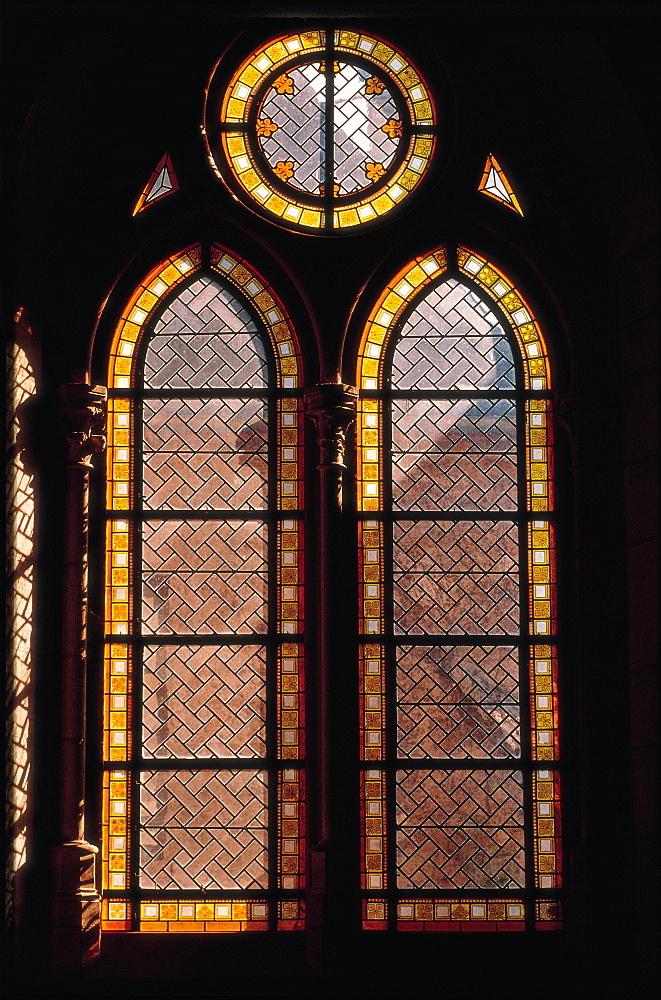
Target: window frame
{"type": "Point", "coordinates": [232, 106]}
{"type": "Point", "coordinates": [280, 905]}
{"type": "Point", "coordinates": [384, 905]}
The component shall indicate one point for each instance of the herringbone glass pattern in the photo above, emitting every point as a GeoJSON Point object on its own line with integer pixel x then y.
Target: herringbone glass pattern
{"type": "Point", "coordinates": [205, 454]}
{"type": "Point", "coordinates": [204, 701]}
{"type": "Point", "coordinates": [457, 701]}
{"type": "Point", "coordinates": [205, 338]}
{"type": "Point", "coordinates": [453, 340]}
{"type": "Point", "coordinates": [460, 829]}
{"type": "Point", "coordinates": [204, 577]}
{"type": "Point", "coordinates": [453, 455]}
{"type": "Point", "coordinates": [203, 830]}
{"type": "Point", "coordinates": [457, 576]}
{"type": "Point", "coordinates": [358, 121]}
{"type": "Point", "coordinates": [300, 117]}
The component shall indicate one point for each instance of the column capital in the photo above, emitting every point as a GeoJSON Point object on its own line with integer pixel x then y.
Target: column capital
{"type": "Point", "coordinates": [332, 406]}
{"type": "Point", "coordinates": [82, 418]}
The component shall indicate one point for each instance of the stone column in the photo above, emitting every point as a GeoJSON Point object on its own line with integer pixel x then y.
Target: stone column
{"type": "Point", "coordinates": [75, 904]}
{"type": "Point", "coordinates": [332, 407]}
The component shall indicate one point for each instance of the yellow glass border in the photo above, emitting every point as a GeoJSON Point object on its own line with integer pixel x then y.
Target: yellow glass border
{"type": "Point", "coordinates": [521, 318]}
{"type": "Point", "coordinates": [434, 914]}
{"type": "Point", "coordinates": [374, 874]}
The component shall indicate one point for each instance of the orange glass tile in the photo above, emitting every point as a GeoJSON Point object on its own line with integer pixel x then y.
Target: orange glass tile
{"type": "Point", "coordinates": [162, 182]}
{"type": "Point", "coordinates": [495, 184]}
{"type": "Point", "coordinates": [519, 314]}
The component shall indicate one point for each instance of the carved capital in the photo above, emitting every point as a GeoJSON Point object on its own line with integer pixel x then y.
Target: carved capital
{"type": "Point", "coordinates": [332, 406]}
{"type": "Point", "coordinates": [82, 418]}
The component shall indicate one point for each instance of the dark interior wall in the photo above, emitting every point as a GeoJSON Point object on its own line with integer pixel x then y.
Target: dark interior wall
{"type": "Point", "coordinates": [564, 97]}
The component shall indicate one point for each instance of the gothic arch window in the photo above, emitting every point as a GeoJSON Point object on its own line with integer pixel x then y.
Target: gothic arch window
{"type": "Point", "coordinates": [322, 131]}
{"type": "Point", "coordinates": [459, 729]}
{"type": "Point", "coordinates": [204, 793]}
{"type": "Point", "coordinates": [203, 818]}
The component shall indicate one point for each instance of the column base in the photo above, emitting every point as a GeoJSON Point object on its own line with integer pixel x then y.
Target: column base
{"type": "Point", "coordinates": [75, 907]}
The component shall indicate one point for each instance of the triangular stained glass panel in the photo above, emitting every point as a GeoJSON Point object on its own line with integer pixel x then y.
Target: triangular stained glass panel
{"type": "Point", "coordinates": [495, 183]}
{"type": "Point", "coordinates": [162, 182]}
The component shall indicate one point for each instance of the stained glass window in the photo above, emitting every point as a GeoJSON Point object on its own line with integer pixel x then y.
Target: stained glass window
{"type": "Point", "coordinates": [323, 130]}
{"type": "Point", "coordinates": [459, 730]}
{"type": "Point", "coordinates": [495, 183]}
{"type": "Point", "coordinates": [162, 182]}
{"type": "Point", "coordinates": [203, 820]}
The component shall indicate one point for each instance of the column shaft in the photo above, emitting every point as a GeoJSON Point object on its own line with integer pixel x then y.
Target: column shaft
{"type": "Point", "coordinates": [75, 903]}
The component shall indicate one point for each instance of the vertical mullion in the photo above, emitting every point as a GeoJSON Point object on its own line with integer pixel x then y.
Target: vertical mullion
{"type": "Point", "coordinates": [329, 135]}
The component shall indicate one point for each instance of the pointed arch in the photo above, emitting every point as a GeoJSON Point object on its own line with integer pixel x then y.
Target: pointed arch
{"type": "Point", "coordinates": [203, 812]}
{"type": "Point", "coordinates": [457, 622]}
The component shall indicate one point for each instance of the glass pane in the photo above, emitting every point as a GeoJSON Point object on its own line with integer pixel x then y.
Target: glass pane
{"type": "Point", "coordinates": [203, 830]}
{"type": "Point", "coordinates": [452, 340]}
{"type": "Point", "coordinates": [205, 454]}
{"type": "Point", "coordinates": [204, 701]}
{"type": "Point", "coordinates": [367, 128]}
{"type": "Point", "coordinates": [290, 127]}
{"type": "Point", "coordinates": [458, 701]}
{"type": "Point", "coordinates": [454, 455]}
{"type": "Point", "coordinates": [204, 577]}
{"type": "Point", "coordinates": [455, 576]}
{"type": "Point", "coordinates": [460, 829]}
{"type": "Point", "coordinates": [205, 338]}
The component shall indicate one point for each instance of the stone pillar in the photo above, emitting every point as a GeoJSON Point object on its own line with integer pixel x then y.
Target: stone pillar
{"type": "Point", "coordinates": [332, 407]}
{"type": "Point", "coordinates": [75, 903]}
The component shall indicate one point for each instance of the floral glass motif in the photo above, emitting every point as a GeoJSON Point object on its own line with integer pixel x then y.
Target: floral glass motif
{"type": "Point", "coordinates": [460, 800]}
{"type": "Point", "coordinates": [162, 182]}
{"type": "Point", "coordinates": [324, 130]}
{"type": "Point", "coordinates": [204, 794]}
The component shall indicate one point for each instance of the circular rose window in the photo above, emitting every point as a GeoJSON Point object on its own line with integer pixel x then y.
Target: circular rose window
{"type": "Point", "coordinates": [323, 131]}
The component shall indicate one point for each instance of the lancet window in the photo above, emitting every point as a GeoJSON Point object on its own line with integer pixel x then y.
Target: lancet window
{"type": "Point", "coordinates": [204, 801]}
{"type": "Point", "coordinates": [458, 687]}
